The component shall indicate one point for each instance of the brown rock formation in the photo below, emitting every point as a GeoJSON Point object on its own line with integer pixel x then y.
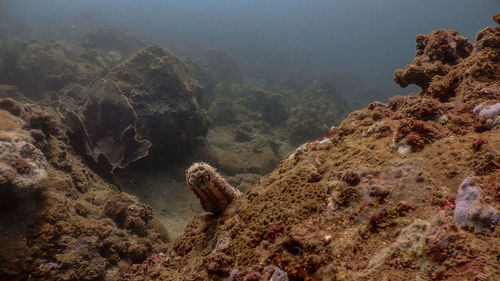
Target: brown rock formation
{"type": "Point", "coordinates": [375, 199]}
{"type": "Point", "coordinates": [164, 94]}
{"type": "Point", "coordinates": [48, 66]}
{"type": "Point", "coordinates": [59, 220]}
{"type": "Point", "coordinates": [435, 53]}
{"type": "Point", "coordinates": [103, 126]}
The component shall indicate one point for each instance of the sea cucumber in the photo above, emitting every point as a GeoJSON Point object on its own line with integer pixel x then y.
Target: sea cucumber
{"type": "Point", "coordinates": [213, 191]}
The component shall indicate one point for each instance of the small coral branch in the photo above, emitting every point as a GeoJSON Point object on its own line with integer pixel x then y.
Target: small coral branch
{"type": "Point", "coordinates": [213, 191]}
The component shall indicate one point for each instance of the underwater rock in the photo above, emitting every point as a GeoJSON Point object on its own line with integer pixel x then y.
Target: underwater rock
{"type": "Point", "coordinates": [223, 113]}
{"type": "Point", "coordinates": [22, 165]}
{"type": "Point", "coordinates": [9, 91]}
{"type": "Point", "coordinates": [269, 106]}
{"type": "Point", "coordinates": [48, 66]}
{"type": "Point", "coordinates": [113, 42]}
{"type": "Point", "coordinates": [434, 53]}
{"type": "Point", "coordinates": [310, 118]}
{"type": "Point", "coordinates": [207, 78]}
{"type": "Point", "coordinates": [496, 18]}
{"type": "Point", "coordinates": [104, 127]}
{"type": "Point", "coordinates": [224, 65]}
{"type": "Point", "coordinates": [410, 239]}
{"type": "Point", "coordinates": [417, 134]}
{"type": "Point", "coordinates": [163, 93]}
{"type": "Point", "coordinates": [128, 213]}
{"type": "Point", "coordinates": [439, 243]}
{"type": "Point", "coordinates": [395, 222]}
{"type": "Point", "coordinates": [470, 212]}
{"type": "Point", "coordinates": [214, 193]}
{"type": "Point", "coordinates": [351, 177]}
{"type": "Point", "coordinates": [53, 223]}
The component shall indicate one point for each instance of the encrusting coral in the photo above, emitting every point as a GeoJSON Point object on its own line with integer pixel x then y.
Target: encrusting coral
{"type": "Point", "coordinates": [213, 191]}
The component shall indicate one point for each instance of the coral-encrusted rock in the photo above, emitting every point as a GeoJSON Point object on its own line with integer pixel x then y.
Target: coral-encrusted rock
{"type": "Point", "coordinates": [214, 193]}
{"type": "Point", "coordinates": [435, 52]}
{"type": "Point", "coordinates": [164, 94]}
{"type": "Point", "coordinates": [128, 213]}
{"type": "Point", "coordinates": [397, 221]}
{"type": "Point", "coordinates": [22, 165]}
{"type": "Point", "coordinates": [418, 133]}
{"type": "Point", "coordinates": [54, 223]}
{"type": "Point", "coordinates": [496, 18]}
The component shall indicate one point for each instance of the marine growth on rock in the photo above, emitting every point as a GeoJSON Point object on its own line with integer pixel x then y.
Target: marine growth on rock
{"type": "Point", "coordinates": [470, 212]}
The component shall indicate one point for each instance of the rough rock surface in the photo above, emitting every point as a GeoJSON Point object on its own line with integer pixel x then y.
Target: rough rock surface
{"type": "Point", "coordinates": [47, 66]}
{"type": "Point", "coordinates": [469, 212]}
{"type": "Point", "coordinates": [311, 116]}
{"type": "Point", "coordinates": [164, 96]}
{"type": "Point", "coordinates": [115, 44]}
{"type": "Point", "coordinates": [59, 220]}
{"type": "Point", "coordinates": [435, 53]}
{"type": "Point", "coordinates": [224, 65]}
{"type": "Point", "coordinates": [254, 127]}
{"type": "Point", "coordinates": [375, 199]}
{"type": "Point", "coordinates": [102, 125]}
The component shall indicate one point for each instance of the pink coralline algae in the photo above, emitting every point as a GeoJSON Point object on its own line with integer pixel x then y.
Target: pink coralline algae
{"type": "Point", "coordinates": [470, 212]}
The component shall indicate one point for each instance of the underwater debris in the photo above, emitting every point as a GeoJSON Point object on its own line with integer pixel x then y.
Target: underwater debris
{"type": "Point", "coordinates": [213, 191]}
{"type": "Point", "coordinates": [470, 212]}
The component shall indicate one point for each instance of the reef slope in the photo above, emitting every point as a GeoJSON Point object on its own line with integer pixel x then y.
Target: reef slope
{"type": "Point", "coordinates": [375, 199]}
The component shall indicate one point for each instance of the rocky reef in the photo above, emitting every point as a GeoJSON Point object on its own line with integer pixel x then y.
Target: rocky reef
{"type": "Point", "coordinates": [148, 102]}
{"type": "Point", "coordinates": [165, 97]}
{"type": "Point", "coordinates": [404, 190]}
{"type": "Point", "coordinates": [58, 219]}
{"type": "Point", "coordinates": [381, 197]}
{"type": "Point", "coordinates": [115, 44]}
{"type": "Point", "coordinates": [102, 125]}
